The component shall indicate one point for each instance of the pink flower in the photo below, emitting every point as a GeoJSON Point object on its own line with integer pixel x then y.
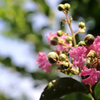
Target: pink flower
{"type": "Point", "coordinates": [97, 48]}
{"type": "Point", "coordinates": [97, 40]}
{"type": "Point", "coordinates": [79, 63]}
{"type": "Point", "coordinates": [43, 61]}
{"type": "Point", "coordinates": [92, 75]}
{"type": "Point", "coordinates": [77, 52]}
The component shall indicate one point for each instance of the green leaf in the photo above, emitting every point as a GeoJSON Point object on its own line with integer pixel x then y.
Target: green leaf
{"type": "Point", "coordinates": [78, 96]}
{"type": "Point", "coordinates": [98, 97]}
{"type": "Point", "coordinates": [62, 86]}
{"type": "Point", "coordinates": [97, 91]}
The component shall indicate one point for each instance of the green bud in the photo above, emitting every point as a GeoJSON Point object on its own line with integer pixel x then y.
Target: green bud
{"type": "Point", "coordinates": [61, 41]}
{"type": "Point", "coordinates": [54, 40]}
{"type": "Point", "coordinates": [89, 39]}
{"type": "Point", "coordinates": [82, 31]}
{"type": "Point", "coordinates": [53, 57]}
{"type": "Point", "coordinates": [62, 57]}
{"type": "Point", "coordinates": [65, 52]}
{"type": "Point", "coordinates": [59, 33]}
{"type": "Point", "coordinates": [61, 7]}
{"type": "Point", "coordinates": [67, 6]}
{"type": "Point", "coordinates": [92, 53]}
{"type": "Point", "coordinates": [81, 24]}
{"type": "Point", "coordinates": [81, 43]}
{"type": "Point", "coordinates": [65, 65]}
{"type": "Point", "coordinates": [88, 60]}
{"type": "Point", "coordinates": [76, 45]}
{"type": "Point", "coordinates": [69, 38]}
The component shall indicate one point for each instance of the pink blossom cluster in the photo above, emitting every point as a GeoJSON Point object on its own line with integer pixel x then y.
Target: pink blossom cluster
{"type": "Point", "coordinates": [79, 55]}
{"type": "Point", "coordinates": [42, 58]}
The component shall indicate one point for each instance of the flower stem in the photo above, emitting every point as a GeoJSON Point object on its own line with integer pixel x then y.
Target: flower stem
{"type": "Point", "coordinates": [91, 92]}
{"type": "Point", "coordinates": [69, 23]}
{"type": "Point", "coordinates": [77, 32]}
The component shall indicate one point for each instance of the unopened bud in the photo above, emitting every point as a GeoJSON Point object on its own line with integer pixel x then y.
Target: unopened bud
{"type": "Point", "coordinates": [81, 43]}
{"type": "Point", "coordinates": [89, 39]}
{"type": "Point", "coordinates": [69, 38]}
{"type": "Point", "coordinates": [88, 60]}
{"type": "Point", "coordinates": [65, 52]}
{"type": "Point", "coordinates": [65, 65]}
{"type": "Point", "coordinates": [67, 6]}
{"type": "Point", "coordinates": [61, 41]}
{"type": "Point", "coordinates": [81, 24]}
{"type": "Point", "coordinates": [82, 31]}
{"type": "Point", "coordinates": [76, 45]}
{"type": "Point", "coordinates": [92, 53]}
{"type": "Point", "coordinates": [62, 57]}
{"type": "Point", "coordinates": [54, 40]}
{"type": "Point", "coordinates": [53, 57]}
{"type": "Point", "coordinates": [61, 7]}
{"type": "Point", "coordinates": [59, 33]}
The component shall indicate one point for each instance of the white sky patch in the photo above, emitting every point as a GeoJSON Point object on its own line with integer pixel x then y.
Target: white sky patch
{"type": "Point", "coordinates": [39, 20]}
{"type": "Point", "coordinates": [53, 3]}
{"type": "Point", "coordinates": [29, 5]}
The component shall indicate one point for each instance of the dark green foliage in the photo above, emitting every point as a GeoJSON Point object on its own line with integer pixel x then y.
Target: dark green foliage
{"type": "Point", "coordinates": [62, 86]}
{"type": "Point", "coordinates": [97, 91]}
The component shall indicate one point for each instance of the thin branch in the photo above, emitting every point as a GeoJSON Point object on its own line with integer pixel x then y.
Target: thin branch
{"type": "Point", "coordinates": [69, 23]}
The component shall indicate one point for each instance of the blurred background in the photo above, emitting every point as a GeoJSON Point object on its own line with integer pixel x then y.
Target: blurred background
{"type": "Point", "coordinates": [24, 25]}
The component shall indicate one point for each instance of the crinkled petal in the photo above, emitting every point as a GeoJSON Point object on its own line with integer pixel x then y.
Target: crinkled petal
{"type": "Point", "coordinates": [92, 74]}
{"type": "Point", "coordinates": [77, 52]}
{"type": "Point", "coordinates": [43, 61]}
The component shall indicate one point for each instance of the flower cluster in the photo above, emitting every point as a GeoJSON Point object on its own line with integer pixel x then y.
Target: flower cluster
{"type": "Point", "coordinates": [87, 58]}
{"type": "Point", "coordinates": [85, 55]}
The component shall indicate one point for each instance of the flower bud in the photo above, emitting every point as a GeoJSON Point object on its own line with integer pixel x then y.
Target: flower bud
{"type": "Point", "coordinates": [92, 53]}
{"type": "Point", "coordinates": [81, 43]}
{"type": "Point", "coordinates": [81, 24]}
{"type": "Point", "coordinates": [67, 6]}
{"type": "Point", "coordinates": [89, 39]}
{"type": "Point", "coordinates": [54, 40]}
{"type": "Point", "coordinates": [69, 38]}
{"type": "Point", "coordinates": [65, 65]}
{"type": "Point", "coordinates": [53, 57]}
{"type": "Point", "coordinates": [61, 41]}
{"type": "Point", "coordinates": [88, 64]}
{"type": "Point", "coordinates": [59, 33]}
{"type": "Point", "coordinates": [76, 45]}
{"type": "Point", "coordinates": [82, 31]}
{"type": "Point", "coordinates": [62, 57]}
{"type": "Point", "coordinates": [61, 7]}
{"type": "Point", "coordinates": [65, 52]}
